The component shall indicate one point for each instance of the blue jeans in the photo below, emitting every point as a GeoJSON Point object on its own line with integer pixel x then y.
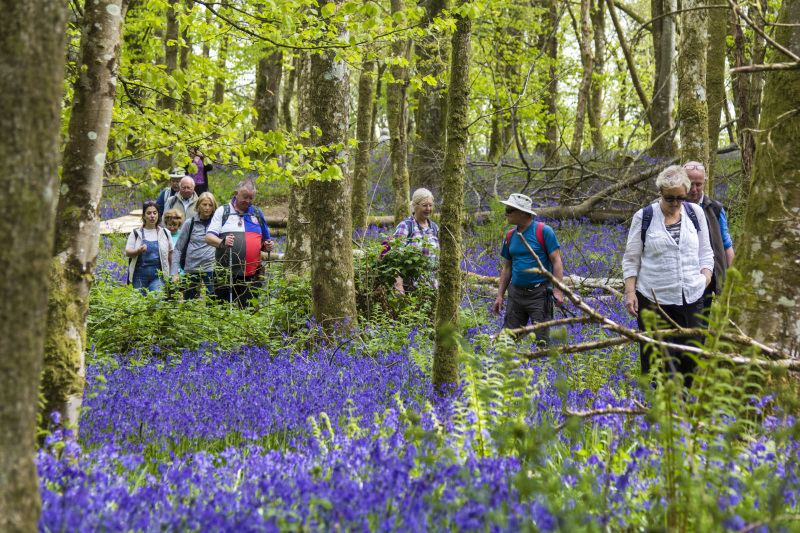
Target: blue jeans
{"type": "Point", "coordinates": [147, 280]}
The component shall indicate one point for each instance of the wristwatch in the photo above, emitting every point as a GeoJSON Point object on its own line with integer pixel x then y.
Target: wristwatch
{"type": "Point", "coordinates": [222, 244]}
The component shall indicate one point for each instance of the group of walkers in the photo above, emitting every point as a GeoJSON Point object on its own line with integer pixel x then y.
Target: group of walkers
{"type": "Point", "coordinates": [676, 253]}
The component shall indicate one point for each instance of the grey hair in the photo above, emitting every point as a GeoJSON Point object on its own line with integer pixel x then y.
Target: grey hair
{"type": "Point", "coordinates": [419, 195]}
{"type": "Point", "coordinates": [187, 178]}
{"type": "Point", "coordinates": [673, 176]}
{"type": "Point", "coordinates": [246, 184]}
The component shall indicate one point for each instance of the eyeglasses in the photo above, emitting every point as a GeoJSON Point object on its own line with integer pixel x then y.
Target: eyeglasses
{"type": "Point", "coordinates": [670, 199]}
{"type": "Point", "coordinates": [510, 210]}
{"type": "Point", "coordinates": [694, 167]}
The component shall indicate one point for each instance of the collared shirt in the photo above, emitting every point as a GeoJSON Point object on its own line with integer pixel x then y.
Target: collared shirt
{"type": "Point", "coordinates": [414, 234]}
{"type": "Point", "coordinates": [727, 242]}
{"type": "Point", "coordinates": [670, 269]}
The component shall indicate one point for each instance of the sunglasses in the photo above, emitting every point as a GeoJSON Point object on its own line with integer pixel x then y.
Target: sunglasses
{"type": "Point", "coordinates": [510, 210]}
{"type": "Point", "coordinates": [670, 199]}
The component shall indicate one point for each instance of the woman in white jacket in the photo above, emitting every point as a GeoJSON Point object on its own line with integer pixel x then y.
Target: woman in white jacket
{"type": "Point", "coordinates": [669, 264]}
{"type": "Point", "coordinates": [149, 249]}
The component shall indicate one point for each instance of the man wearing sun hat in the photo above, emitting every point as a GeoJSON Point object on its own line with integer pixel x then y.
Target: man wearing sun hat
{"type": "Point", "coordinates": [175, 177]}
{"type": "Point", "coordinates": [530, 295]}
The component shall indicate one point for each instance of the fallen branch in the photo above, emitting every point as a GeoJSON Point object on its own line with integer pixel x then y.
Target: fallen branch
{"type": "Point", "coordinates": [576, 348]}
{"type": "Point", "coordinates": [599, 412]}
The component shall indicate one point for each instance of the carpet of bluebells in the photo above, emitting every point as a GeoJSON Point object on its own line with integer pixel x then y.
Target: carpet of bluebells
{"type": "Point", "coordinates": [332, 435]}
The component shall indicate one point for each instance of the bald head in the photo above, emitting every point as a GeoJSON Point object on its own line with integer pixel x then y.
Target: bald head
{"type": "Point", "coordinates": [187, 187]}
{"type": "Point", "coordinates": [697, 176]}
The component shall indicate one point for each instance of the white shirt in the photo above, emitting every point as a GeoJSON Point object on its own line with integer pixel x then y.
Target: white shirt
{"type": "Point", "coordinates": [669, 269]}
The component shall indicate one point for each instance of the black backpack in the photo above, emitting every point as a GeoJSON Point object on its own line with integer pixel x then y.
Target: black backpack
{"type": "Point", "coordinates": [647, 218]}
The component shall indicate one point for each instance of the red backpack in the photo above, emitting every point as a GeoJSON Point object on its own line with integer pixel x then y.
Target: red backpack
{"type": "Point", "coordinates": [539, 237]}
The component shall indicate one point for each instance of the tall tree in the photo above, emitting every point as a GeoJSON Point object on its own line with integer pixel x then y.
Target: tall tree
{"type": "Point", "coordinates": [269, 71]}
{"type": "Point", "coordinates": [769, 248]}
{"type": "Point", "coordinates": [333, 301]}
{"type": "Point", "coordinates": [185, 59]}
{"type": "Point", "coordinates": [164, 158]}
{"type": "Point", "coordinates": [662, 122]}
{"type": "Point", "coordinates": [597, 13]}
{"type": "Point", "coordinates": [222, 59]}
{"type": "Point", "coordinates": [431, 111]}
{"type": "Point", "coordinates": [396, 114]}
{"type": "Point", "coordinates": [366, 84]}
{"type": "Point", "coordinates": [445, 353]}
{"type": "Point", "coordinates": [288, 92]}
{"type": "Point", "coordinates": [550, 45]}
{"type": "Point", "coordinates": [78, 215]}
{"type": "Point", "coordinates": [716, 50]}
{"type": "Point", "coordinates": [32, 57]}
{"type": "Point", "coordinates": [583, 29]}
{"type": "Point", "coordinates": [692, 103]}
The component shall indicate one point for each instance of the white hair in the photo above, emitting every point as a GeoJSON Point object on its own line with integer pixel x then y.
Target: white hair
{"type": "Point", "coordinates": [673, 176]}
{"type": "Point", "coordinates": [419, 195]}
{"type": "Point", "coordinates": [246, 184]}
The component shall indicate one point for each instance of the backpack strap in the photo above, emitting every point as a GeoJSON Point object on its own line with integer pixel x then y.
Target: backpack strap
{"type": "Point", "coordinates": [693, 218]}
{"type": "Point", "coordinates": [647, 218]}
{"type": "Point", "coordinates": [261, 221]}
{"type": "Point", "coordinates": [226, 213]}
{"type": "Point", "coordinates": [186, 245]}
{"type": "Point", "coordinates": [540, 236]}
{"type": "Point", "coordinates": [509, 235]}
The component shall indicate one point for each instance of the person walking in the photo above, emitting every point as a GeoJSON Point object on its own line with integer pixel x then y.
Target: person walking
{"type": "Point", "coordinates": [721, 242]}
{"type": "Point", "coordinates": [419, 231]}
{"type": "Point", "coordinates": [200, 176]}
{"type": "Point", "coordinates": [185, 200]}
{"type": "Point", "coordinates": [239, 233]}
{"type": "Point", "coordinates": [530, 295]}
{"type": "Point", "coordinates": [149, 249]}
{"type": "Point", "coordinates": [174, 188]}
{"type": "Point", "coordinates": [194, 257]}
{"type": "Point", "coordinates": [667, 265]}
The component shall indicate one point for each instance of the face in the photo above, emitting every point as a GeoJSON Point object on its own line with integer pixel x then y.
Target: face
{"type": "Point", "coordinates": [175, 183]}
{"type": "Point", "coordinates": [698, 178]}
{"type": "Point", "coordinates": [205, 209]}
{"type": "Point", "coordinates": [424, 209]}
{"type": "Point", "coordinates": [151, 216]}
{"type": "Point", "coordinates": [173, 222]}
{"type": "Point", "coordinates": [187, 188]}
{"type": "Point", "coordinates": [515, 217]}
{"type": "Point", "coordinates": [672, 199]}
{"type": "Point", "coordinates": [244, 199]}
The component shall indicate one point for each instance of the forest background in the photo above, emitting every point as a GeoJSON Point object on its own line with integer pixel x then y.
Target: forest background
{"type": "Point", "coordinates": [577, 104]}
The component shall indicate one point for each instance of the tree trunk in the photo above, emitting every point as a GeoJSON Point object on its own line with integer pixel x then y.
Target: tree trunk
{"type": "Point", "coordinates": [596, 96]}
{"type": "Point", "coordinates": [587, 62]}
{"type": "Point", "coordinates": [298, 233]}
{"type": "Point", "coordinates": [219, 80]}
{"type": "Point", "coordinates": [431, 105]}
{"type": "Point", "coordinates": [32, 57]}
{"type": "Point", "coordinates": [167, 102]}
{"type": "Point", "coordinates": [366, 82]}
{"type": "Point", "coordinates": [185, 60]}
{"type": "Point", "coordinates": [769, 248]}
{"type": "Point", "coordinates": [288, 92]}
{"type": "Point", "coordinates": [715, 82]}
{"type": "Point", "coordinates": [445, 353]}
{"type": "Point", "coordinates": [692, 103]}
{"type": "Point", "coordinates": [269, 71]}
{"type": "Point", "coordinates": [377, 101]}
{"type": "Point", "coordinates": [78, 214]}
{"type": "Point", "coordinates": [550, 146]}
{"type": "Point", "coordinates": [333, 301]}
{"type": "Point", "coordinates": [663, 106]}
{"type": "Point", "coordinates": [396, 113]}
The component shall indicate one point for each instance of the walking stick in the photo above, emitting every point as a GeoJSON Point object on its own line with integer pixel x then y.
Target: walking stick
{"type": "Point", "coordinates": [269, 257]}
{"type": "Point", "coordinates": [230, 286]}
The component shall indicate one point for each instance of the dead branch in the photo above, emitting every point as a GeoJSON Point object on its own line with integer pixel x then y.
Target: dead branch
{"type": "Point", "coordinates": [599, 412]}
{"type": "Point", "coordinates": [576, 348]}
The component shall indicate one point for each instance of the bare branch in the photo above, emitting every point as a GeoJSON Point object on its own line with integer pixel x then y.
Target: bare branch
{"type": "Point", "coordinates": [599, 412]}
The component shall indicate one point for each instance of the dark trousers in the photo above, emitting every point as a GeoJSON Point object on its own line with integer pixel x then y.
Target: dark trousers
{"type": "Point", "coordinates": [687, 316]}
{"type": "Point", "coordinates": [526, 304]}
{"type": "Point", "coordinates": [194, 282]}
{"type": "Point", "coordinates": [200, 188]}
{"type": "Point", "coordinates": [242, 289]}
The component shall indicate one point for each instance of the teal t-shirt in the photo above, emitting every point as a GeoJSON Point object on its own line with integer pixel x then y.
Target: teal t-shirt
{"type": "Point", "coordinates": [521, 258]}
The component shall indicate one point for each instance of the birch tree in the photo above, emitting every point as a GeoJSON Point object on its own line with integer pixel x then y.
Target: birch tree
{"type": "Point", "coordinates": [692, 103]}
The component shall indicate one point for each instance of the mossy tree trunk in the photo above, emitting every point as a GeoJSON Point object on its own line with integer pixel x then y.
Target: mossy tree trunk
{"type": "Point", "coordinates": [298, 234]}
{"type": "Point", "coordinates": [396, 115]}
{"type": "Point", "coordinates": [597, 14]}
{"type": "Point", "coordinates": [167, 102]}
{"type": "Point", "coordinates": [269, 72]}
{"type": "Point", "coordinates": [584, 34]}
{"type": "Point", "coordinates": [715, 82]}
{"type": "Point", "coordinates": [186, 60]}
{"type": "Point", "coordinates": [32, 58]}
{"type": "Point", "coordinates": [769, 247]}
{"type": "Point", "coordinates": [432, 55]}
{"type": "Point", "coordinates": [288, 92]}
{"type": "Point", "coordinates": [333, 301]}
{"type": "Point", "coordinates": [222, 58]}
{"type": "Point", "coordinates": [550, 146]}
{"type": "Point", "coordinates": [366, 86]}
{"type": "Point", "coordinates": [445, 353]}
{"type": "Point", "coordinates": [78, 214]}
{"type": "Point", "coordinates": [692, 103]}
{"type": "Point", "coordinates": [663, 104]}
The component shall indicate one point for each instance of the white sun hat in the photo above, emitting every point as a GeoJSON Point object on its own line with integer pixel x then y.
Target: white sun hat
{"type": "Point", "coordinates": [177, 173]}
{"type": "Point", "coordinates": [521, 202]}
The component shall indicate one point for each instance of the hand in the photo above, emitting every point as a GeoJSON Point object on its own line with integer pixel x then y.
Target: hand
{"type": "Point", "coordinates": [398, 285]}
{"type": "Point", "coordinates": [228, 241]}
{"type": "Point", "coordinates": [497, 306]}
{"type": "Point", "coordinates": [268, 246]}
{"type": "Point", "coordinates": [176, 279]}
{"type": "Point", "coordinates": [142, 249]}
{"type": "Point", "coordinates": [707, 275]}
{"type": "Point", "coordinates": [559, 296]}
{"type": "Point", "coordinates": [632, 304]}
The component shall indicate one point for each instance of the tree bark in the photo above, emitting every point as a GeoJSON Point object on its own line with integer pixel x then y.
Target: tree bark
{"type": "Point", "coordinates": [32, 58]}
{"type": "Point", "coordinates": [597, 14]}
{"type": "Point", "coordinates": [185, 61]}
{"type": "Point", "coordinates": [587, 63]}
{"type": "Point", "coordinates": [769, 248]}
{"type": "Point", "coordinates": [269, 71]}
{"type": "Point", "coordinates": [431, 105]}
{"type": "Point", "coordinates": [288, 93]}
{"type": "Point", "coordinates": [716, 50]}
{"type": "Point", "coordinates": [78, 214]}
{"type": "Point", "coordinates": [377, 101]}
{"type": "Point", "coordinates": [626, 52]}
{"type": "Point", "coordinates": [333, 301]}
{"type": "Point", "coordinates": [222, 59]}
{"type": "Point", "coordinates": [445, 353]}
{"type": "Point", "coordinates": [692, 103]}
{"type": "Point", "coordinates": [550, 146]}
{"type": "Point", "coordinates": [396, 113]}
{"type": "Point", "coordinates": [663, 107]}
{"type": "Point", "coordinates": [366, 82]}
{"type": "Point", "coordinates": [167, 102]}
{"type": "Point", "coordinates": [298, 234]}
